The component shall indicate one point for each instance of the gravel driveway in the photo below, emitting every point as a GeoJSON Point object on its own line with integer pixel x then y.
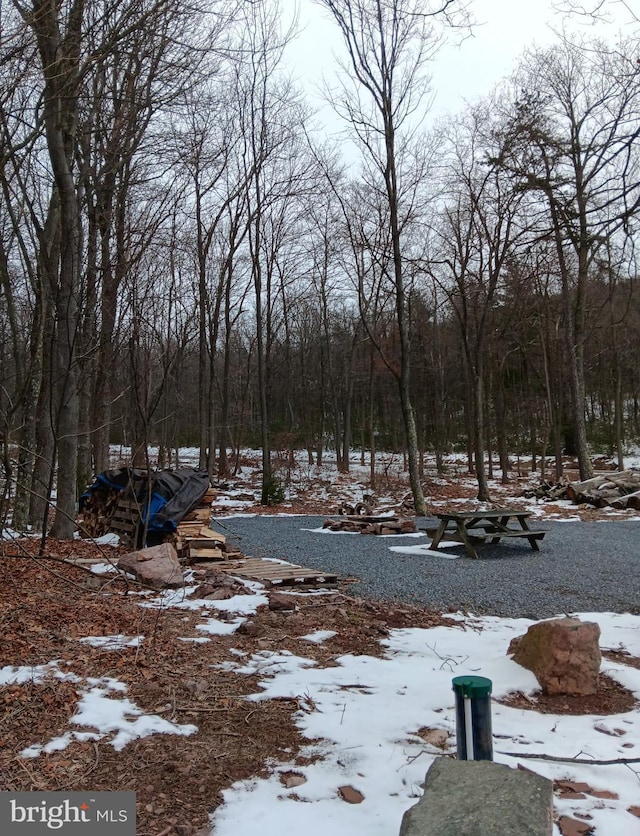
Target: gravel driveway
{"type": "Point", "coordinates": [581, 566]}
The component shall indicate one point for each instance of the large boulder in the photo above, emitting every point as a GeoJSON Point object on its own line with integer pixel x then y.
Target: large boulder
{"type": "Point", "coordinates": [157, 566]}
{"type": "Point", "coordinates": [563, 653]}
{"type": "Point", "coordinates": [480, 798]}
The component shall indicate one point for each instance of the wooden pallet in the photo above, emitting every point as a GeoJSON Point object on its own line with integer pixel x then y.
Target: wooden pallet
{"type": "Point", "coordinates": [196, 541]}
{"type": "Point", "coordinates": [271, 573]}
{"type": "Point", "coordinates": [207, 553]}
{"type": "Point", "coordinates": [196, 530]}
{"type": "Point", "coordinates": [126, 519]}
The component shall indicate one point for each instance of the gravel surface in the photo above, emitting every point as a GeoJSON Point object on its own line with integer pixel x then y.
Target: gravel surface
{"type": "Point", "coordinates": [581, 566]}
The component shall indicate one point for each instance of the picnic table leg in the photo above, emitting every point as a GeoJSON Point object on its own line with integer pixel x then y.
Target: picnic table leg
{"type": "Point", "coordinates": [504, 522]}
{"type": "Point", "coordinates": [532, 540]}
{"type": "Point", "coordinates": [464, 536]}
{"type": "Point", "coordinates": [438, 535]}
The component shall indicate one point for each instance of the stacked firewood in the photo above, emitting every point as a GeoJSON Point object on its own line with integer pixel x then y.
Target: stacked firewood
{"type": "Point", "coordinates": [194, 538]}
{"type": "Point", "coordinates": [98, 511]}
{"type": "Point", "coordinates": [619, 489]}
{"type": "Point", "coordinates": [548, 491]}
{"type": "Point", "coordinates": [364, 524]}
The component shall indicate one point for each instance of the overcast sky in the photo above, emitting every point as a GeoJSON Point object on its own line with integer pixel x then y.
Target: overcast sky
{"type": "Point", "coordinates": [504, 29]}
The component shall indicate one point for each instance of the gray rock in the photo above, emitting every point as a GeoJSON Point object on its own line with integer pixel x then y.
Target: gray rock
{"type": "Point", "coordinates": [480, 798]}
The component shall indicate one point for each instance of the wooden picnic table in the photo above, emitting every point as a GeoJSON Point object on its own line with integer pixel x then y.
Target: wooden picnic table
{"type": "Point", "coordinates": [473, 527]}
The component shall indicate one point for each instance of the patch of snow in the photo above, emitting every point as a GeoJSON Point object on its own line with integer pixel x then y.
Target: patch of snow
{"type": "Point", "coordinates": [109, 539]}
{"type": "Point", "coordinates": [113, 642]}
{"type": "Point", "coordinates": [220, 628]}
{"type": "Point", "coordinates": [424, 551]}
{"type": "Point", "coordinates": [10, 675]}
{"type": "Point", "coordinates": [362, 717]}
{"type": "Point", "coordinates": [319, 636]}
{"type": "Point", "coordinates": [119, 717]}
{"type": "Point", "coordinates": [103, 569]}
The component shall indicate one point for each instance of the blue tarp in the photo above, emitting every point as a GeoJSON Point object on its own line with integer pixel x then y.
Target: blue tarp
{"type": "Point", "coordinates": [173, 493]}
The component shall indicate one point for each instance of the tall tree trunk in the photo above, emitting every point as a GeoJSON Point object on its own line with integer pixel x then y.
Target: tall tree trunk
{"type": "Point", "coordinates": [44, 465]}
{"type": "Point", "coordinates": [501, 432]}
{"type": "Point", "coordinates": [618, 417]}
{"type": "Point", "coordinates": [371, 421]}
{"type": "Point", "coordinates": [479, 433]}
{"type": "Point", "coordinates": [225, 436]}
{"type": "Point", "coordinates": [60, 56]}
{"type": "Point", "coordinates": [27, 437]}
{"type": "Point", "coordinates": [404, 379]}
{"type": "Point", "coordinates": [573, 327]}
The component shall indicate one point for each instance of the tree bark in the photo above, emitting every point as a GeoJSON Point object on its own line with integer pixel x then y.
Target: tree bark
{"type": "Point", "coordinates": [60, 56]}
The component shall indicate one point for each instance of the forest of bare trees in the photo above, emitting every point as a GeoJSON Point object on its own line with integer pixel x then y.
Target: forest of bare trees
{"type": "Point", "coordinates": [185, 259]}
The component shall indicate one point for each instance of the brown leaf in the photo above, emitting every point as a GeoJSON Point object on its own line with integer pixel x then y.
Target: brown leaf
{"type": "Point", "coordinates": [573, 786]}
{"type": "Point", "coordinates": [635, 811]}
{"type": "Point", "coordinates": [573, 827]}
{"type": "Point", "coordinates": [605, 794]}
{"type": "Point", "coordinates": [351, 795]}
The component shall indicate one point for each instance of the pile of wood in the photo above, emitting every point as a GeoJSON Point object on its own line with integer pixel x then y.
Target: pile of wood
{"type": "Point", "coordinates": [549, 491]}
{"type": "Point", "coordinates": [364, 524]}
{"type": "Point", "coordinates": [360, 509]}
{"type": "Point", "coordinates": [98, 511]}
{"type": "Point", "coordinates": [109, 509]}
{"type": "Point", "coordinates": [617, 489]}
{"type": "Point", "coordinates": [195, 540]}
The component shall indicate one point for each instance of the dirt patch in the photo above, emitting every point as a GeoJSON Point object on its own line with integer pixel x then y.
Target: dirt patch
{"type": "Point", "coordinates": [622, 657]}
{"type": "Point", "coordinates": [611, 698]}
{"type": "Point", "coordinates": [47, 606]}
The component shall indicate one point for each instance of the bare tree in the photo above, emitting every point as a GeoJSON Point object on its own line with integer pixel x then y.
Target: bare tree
{"type": "Point", "coordinates": [28, 253]}
{"type": "Point", "coordinates": [58, 33]}
{"type": "Point", "coordinates": [139, 64]}
{"type": "Point", "coordinates": [573, 142]}
{"type": "Point", "coordinates": [272, 118]}
{"type": "Point", "coordinates": [205, 137]}
{"type": "Point", "coordinates": [477, 236]}
{"type": "Point", "coordinates": [388, 44]}
{"type": "Point", "coordinates": [595, 11]}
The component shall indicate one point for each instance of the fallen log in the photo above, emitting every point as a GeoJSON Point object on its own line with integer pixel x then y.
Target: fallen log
{"type": "Point", "coordinates": [630, 500]}
{"type": "Point", "coordinates": [604, 497]}
{"type": "Point", "coordinates": [628, 481]}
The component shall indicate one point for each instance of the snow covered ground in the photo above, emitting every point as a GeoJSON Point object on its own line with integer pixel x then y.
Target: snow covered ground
{"type": "Point", "coordinates": [369, 722]}
{"type": "Point", "coordinates": [376, 724]}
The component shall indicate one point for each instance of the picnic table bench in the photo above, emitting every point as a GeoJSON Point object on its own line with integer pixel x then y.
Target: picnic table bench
{"type": "Point", "coordinates": [473, 527]}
